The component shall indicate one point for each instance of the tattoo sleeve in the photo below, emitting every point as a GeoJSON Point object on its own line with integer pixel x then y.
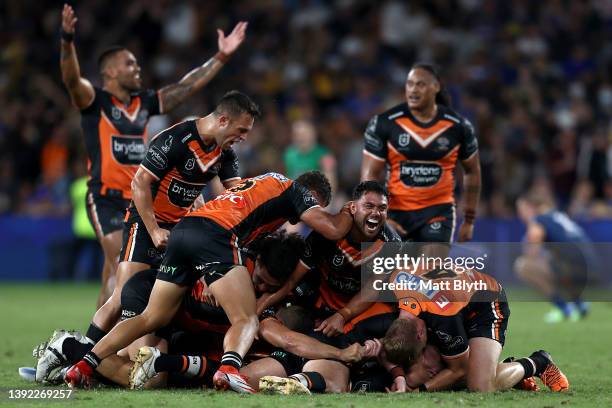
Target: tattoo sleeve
{"type": "Point", "coordinates": [172, 95]}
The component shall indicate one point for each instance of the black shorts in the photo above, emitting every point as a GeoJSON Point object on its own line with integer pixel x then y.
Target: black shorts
{"type": "Point", "coordinates": [137, 244]}
{"type": "Point", "coordinates": [291, 363]}
{"type": "Point", "coordinates": [487, 316]}
{"type": "Point", "coordinates": [430, 224]}
{"type": "Point", "coordinates": [135, 298]}
{"type": "Point", "coordinates": [199, 247]}
{"type": "Point", "coordinates": [106, 213]}
{"type": "Point", "coordinates": [135, 293]}
{"type": "Point", "coordinates": [370, 377]}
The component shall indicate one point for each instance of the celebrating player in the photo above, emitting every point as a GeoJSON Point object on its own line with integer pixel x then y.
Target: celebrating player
{"type": "Point", "coordinates": [207, 243]}
{"type": "Point", "coordinates": [420, 141]}
{"type": "Point", "coordinates": [179, 162]}
{"type": "Point", "coordinates": [114, 120]}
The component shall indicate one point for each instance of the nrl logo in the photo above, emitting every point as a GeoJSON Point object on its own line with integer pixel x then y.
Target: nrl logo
{"type": "Point", "coordinates": [167, 144]}
{"type": "Point", "coordinates": [115, 113]}
{"type": "Point", "coordinates": [338, 260]}
{"type": "Point", "coordinates": [403, 139]}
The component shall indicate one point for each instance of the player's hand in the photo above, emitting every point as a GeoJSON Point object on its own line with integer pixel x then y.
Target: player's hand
{"type": "Point", "coordinates": [397, 227]}
{"type": "Point", "coordinates": [229, 44]}
{"type": "Point", "coordinates": [372, 348]}
{"type": "Point", "coordinates": [466, 231]}
{"type": "Point", "coordinates": [399, 385]}
{"type": "Point", "coordinates": [160, 237]}
{"type": "Point", "coordinates": [332, 326]}
{"type": "Point", "coordinates": [352, 354]}
{"type": "Point", "coordinates": [68, 19]}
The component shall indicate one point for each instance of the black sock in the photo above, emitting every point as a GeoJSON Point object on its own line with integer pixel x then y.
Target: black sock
{"type": "Point", "coordinates": [191, 366]}
{"type": "Point", "coordinates": [528, 366]}
{"type": "Point", "coordinates": [540, 359]}
{"type": "Point", "coordinates": [74, 350]}
{"type": "Point", "coordinates": [311, 380]}
{"type": "Point", "coordinates": [182, 381]}
{"type": "Point", "coordinates": [232, 359]}
{"type": "Point", "coordinates": [92, 360]}
{"type": "Point", "coordinates": [94, 333]}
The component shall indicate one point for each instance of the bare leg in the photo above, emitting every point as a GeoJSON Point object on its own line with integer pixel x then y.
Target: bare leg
{"type": "Point", "coordinates": [260, 368]}
{"type": "Point", "coordinates": [508, 375]}
{"type": "Point", "coordinates": [336, 374]}
{"type": "Point", "coordinates": [111, 246]}
{"type": "Point", "coordinates": [106, 316]}
{"type": "Point", "coordinates": [482, 364]}
{"type": "Point", "coordinates": [164, 302]}
{"type": "Point", "coordinates": [236, 295]}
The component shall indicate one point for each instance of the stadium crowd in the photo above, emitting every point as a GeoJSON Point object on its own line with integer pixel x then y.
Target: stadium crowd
{"type": "Point", "coordinates": [533, 77]}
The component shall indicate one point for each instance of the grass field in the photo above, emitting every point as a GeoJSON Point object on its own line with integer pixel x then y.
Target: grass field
{"type": "Point", "coordinates": [29, 313]}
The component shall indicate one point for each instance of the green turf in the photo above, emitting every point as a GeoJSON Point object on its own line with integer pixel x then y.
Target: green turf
{"type": "Point", "coordinates": [31, 312]}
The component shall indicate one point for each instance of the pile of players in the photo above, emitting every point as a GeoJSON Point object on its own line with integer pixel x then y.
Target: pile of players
{"type": "Point", "coordinates": [198, 283]}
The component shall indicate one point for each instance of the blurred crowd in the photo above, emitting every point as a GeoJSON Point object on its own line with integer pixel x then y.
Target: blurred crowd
{"type": "Point", "coordinates": [534, 77]}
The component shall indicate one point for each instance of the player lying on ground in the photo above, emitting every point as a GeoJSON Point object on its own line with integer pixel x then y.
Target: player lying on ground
{"type": "Point", "coordinates": [269, 258]}
{"type": "Point", "coordinates": [207, 243]}
{"type": "Point", "coordinates": [468, 327]}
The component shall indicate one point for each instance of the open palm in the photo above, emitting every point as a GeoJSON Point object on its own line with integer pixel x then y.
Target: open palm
{"type": "Point", "coordinates": [229, 44]}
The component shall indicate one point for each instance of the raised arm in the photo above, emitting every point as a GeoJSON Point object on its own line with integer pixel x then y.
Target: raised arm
{"type": "Point", "coordinates": [80, 89]}
{"type": "Point", "coordinates": [172, 95]}
{"type": "Point", "coordinates": [471, 196]}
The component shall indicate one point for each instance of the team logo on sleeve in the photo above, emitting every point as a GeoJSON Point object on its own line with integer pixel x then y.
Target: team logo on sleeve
{"type": "Point", "coordinates": [128, 150]}
{"type": "Point", "coordinates": [157, 158]}
{"type": "Point", "coordinates": [167, 144]}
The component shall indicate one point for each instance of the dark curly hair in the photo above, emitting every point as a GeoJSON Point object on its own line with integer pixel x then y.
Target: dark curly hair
{"type": "Point", "coordinates": [317, 182]}
{"type": "Point", "coordinates": [369, 186]}
{"type": "Point", "coordinates": [279, 252]}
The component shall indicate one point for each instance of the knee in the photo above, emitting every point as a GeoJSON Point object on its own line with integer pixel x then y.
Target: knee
{"type": "Point", "coordinates": [482, 385]}
{"type": "Point", "coordinates": [153, 321]}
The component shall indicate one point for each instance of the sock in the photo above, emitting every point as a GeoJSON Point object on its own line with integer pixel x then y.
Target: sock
{"type": "Point", "coordinates": [311, 380]}
{"type": "Point", "coordinates": [561, 304]}
{"type": "Point", "coordinates": [528, 365]}
{"type": "Point", "coordinates": [94, 333]}
{"type": "Point", "coordinates": [540, 362]}
{"type": "Point", "coordinates": [191, 366]}
{"type": "Point", "coordinates": [582, 306]}
{"type": "Point", "coordinates": [92, 360]}
{"type": "Point", "coordinates": [74, 350]}
{"type": "Point", "coordinates": [231, 358]}
{"type": "Point", "coordinates": [177, 380]}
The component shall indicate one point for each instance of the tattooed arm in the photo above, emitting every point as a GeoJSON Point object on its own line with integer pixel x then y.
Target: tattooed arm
{"type": "Point", "coordinates": [172, 95]}
{"type": "Point", "coordinates": [471, 193]}
{"type": "Point", "coordinates": [80, 89]}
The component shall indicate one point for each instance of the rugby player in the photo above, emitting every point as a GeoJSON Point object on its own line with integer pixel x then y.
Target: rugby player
{"type": "Point", "coordinates": [339, 263]}
{"type": "Point", "coordinates": [556, 259]}
{"type": "Point", "coordinates": [207, 243]}
{"type": "Point", "coordinates": [114, 120]}
{"type": "Point", "coordinates": [179, 162]}
{"type": "Point", "coordinates": [420, 142]}
{"type": "Point", "coordinates": [468, 326]}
